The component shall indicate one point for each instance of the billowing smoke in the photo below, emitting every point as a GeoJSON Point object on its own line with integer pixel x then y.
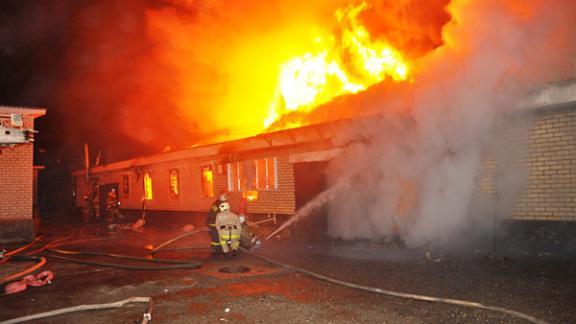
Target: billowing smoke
{"type": "Point", "coordinates": [419, 177]}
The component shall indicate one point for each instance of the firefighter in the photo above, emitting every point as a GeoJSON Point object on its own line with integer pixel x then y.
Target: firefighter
{"type": "Point", "coordinates": [87, 209]}
{"type": "Point", "coordinates": [96, 205]}
{"type": "Point", "coordinates": [112, 210]}
{"type": "Point", "coordinates": [215, 246]}
{"type": "Point", "coordinates": [247, 239]}
{"type": "Point", "coordinates": [229, 228]}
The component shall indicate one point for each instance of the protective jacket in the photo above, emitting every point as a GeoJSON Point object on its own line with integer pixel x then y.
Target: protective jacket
{"type": "Point", "coordinates": [229, 229]}
{"type": "Point", "coordinates": [112, 208]}
{"type": "Point", "coordinates": [211, 222]}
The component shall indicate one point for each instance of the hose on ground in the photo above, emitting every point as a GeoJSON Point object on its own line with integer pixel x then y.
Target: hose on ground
{"type": "Point", "coordinates": [146, 319]}
{"type": "Point", "coordinates": [40, 262]}
{"type": "Point", "coordinates": [174, 239]}
{"type": "Point", "coordinates": [118, 256]}
{"type": "Point", "coordinates": [12, 255]}
{"type": "Point", "coordinates": [184, 265]}
{"type": "Point", "coordinates": [185, 248]}
{"type": "Point", "coordinates": [20, 249]}
{"type": "Point", "coordinates": [405, 295]}
{"type": "Point", "coordinates": [53, 243]}
{"type": "Point", "coordinates": [51, 247]}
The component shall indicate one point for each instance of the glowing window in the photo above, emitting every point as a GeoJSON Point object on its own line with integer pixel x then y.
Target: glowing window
{"type": "Point", "coordinates": [207, 181]}
{"type": "Point", "coordinates": [174, 183]}
{"type": "Point", "coordinates": [254, 174]}
{"type": "Point", "coordinates": [147, 186]}
{"type": "Point", "coordinates": [266, 171]}
{"type": "Point", "coordinates": [235, 176]}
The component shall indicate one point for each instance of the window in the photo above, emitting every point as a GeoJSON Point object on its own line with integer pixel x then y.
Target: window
{"type": "Point", "coordinates": [266, 174]}
{"type": "Point", "coordinates": [174, 183]}
{"type": "Point", "coordinates": [253, 175]}
{"type": "Point", "coordinates": [125, 186]}
{"type": "Point", "coordinates": [235, 176]}
{"type": "Point", "coordinates": [207, 181]}
{"type": "Point", "coordinates": [147, 186]}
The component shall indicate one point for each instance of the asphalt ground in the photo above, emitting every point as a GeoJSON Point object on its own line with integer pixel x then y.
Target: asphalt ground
{"type": "Point", "coordinates": [247, 289]}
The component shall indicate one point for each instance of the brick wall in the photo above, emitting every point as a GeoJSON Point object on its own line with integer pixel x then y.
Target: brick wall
{"type": "Point", "coordinates": [16, 181]}
{"type": "Point", "coordinates": [541, 150]}
{"type": "Point", "coordinates": [280, 201]}
{"type": "Point", "coordinates": [546, 153]}
{"type": "Point", "coordinates": [550, 164]}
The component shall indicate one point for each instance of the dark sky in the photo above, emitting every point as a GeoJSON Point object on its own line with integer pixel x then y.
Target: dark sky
{"type": "Point", "coordinates": [83, 61]}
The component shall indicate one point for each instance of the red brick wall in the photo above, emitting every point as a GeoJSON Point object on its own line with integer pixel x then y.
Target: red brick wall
{"type": "Point", "coordinates": [16, 198]}
{"type": "Point", "coordinates": [16, 177]}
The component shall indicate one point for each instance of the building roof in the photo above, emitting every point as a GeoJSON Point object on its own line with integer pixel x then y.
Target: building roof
{"type": "Point", "coordinates": [332, 134]}
{"type": "Point", "coordinates": [29, 112]}
{"type": "Point", "coordinates": [552, 94]}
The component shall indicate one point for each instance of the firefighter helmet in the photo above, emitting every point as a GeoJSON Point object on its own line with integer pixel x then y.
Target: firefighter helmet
{"type": "Point", "coordinates": [224, 206]}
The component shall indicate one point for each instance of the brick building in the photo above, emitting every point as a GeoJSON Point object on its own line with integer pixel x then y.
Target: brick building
{"type": "Point", "coordinates": [283, 170]}
{"type": "Point", "coordinates": [550, 156]}
{"type": "Point", "coordinates": [268, 169]}
{"type": "Point", "coordinates": [17, 174]}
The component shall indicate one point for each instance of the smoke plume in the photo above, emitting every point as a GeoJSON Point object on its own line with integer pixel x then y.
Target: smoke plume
{"type": "Point", "coordinates": [419, 176]}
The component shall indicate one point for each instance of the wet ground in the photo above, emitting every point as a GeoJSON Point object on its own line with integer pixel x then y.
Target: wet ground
{"type": "Point", "coordinates": [247, 289]}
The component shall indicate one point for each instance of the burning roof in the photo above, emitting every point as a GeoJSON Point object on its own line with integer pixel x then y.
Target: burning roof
{"type": "Point", "coordinates": [243, 69]}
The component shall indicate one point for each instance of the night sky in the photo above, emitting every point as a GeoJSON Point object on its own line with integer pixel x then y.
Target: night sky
{"type": "Point", "coordinates": [82, 60]}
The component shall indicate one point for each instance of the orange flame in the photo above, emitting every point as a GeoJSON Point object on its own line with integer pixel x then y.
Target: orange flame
{"type": "Point", "coordinates": [238, 67]}
{"type": "Point", "coordinates": [348, 64]}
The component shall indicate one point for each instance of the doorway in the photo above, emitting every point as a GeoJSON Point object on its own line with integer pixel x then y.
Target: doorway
{"type": "Point", "coordinates": [309, 181]}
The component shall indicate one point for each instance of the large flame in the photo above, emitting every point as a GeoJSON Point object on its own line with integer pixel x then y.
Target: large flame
{"type": "Point", "coordinates": [347, 63]}
{"type": "Point", "coordinates": [239, 67]}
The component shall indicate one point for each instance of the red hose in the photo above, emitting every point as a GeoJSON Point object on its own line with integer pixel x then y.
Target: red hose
{"type": "Point", "coordinates": [20, 249]}
{"type": "Point", "coordinates": [17, 275]}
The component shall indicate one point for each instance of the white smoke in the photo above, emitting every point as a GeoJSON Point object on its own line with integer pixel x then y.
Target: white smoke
{"type": "Point", "coordinates": [419, 176]}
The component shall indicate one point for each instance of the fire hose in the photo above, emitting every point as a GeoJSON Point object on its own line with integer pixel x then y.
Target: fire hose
{"type": "Point", "coordinates": [175, 263]}
{"type": "Point", "coordinates": [174, 239]}
{"type": "Point", "coordinates": [20, 249]}
{"type": "Point", "coordinates": [386, 292]}
{"type": "Point", "coordinates": [147, 317]}
{"type": "Point", "coordinates": [393, 293]}
{"type": "Point", "coordinates": [51, 247]}
{"type": "Point", "coordinates": [32, 280]}
{"type": "Point", "coordinates": [14, 276]}
{"type": "Point", "coordinates": [53, 243]}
